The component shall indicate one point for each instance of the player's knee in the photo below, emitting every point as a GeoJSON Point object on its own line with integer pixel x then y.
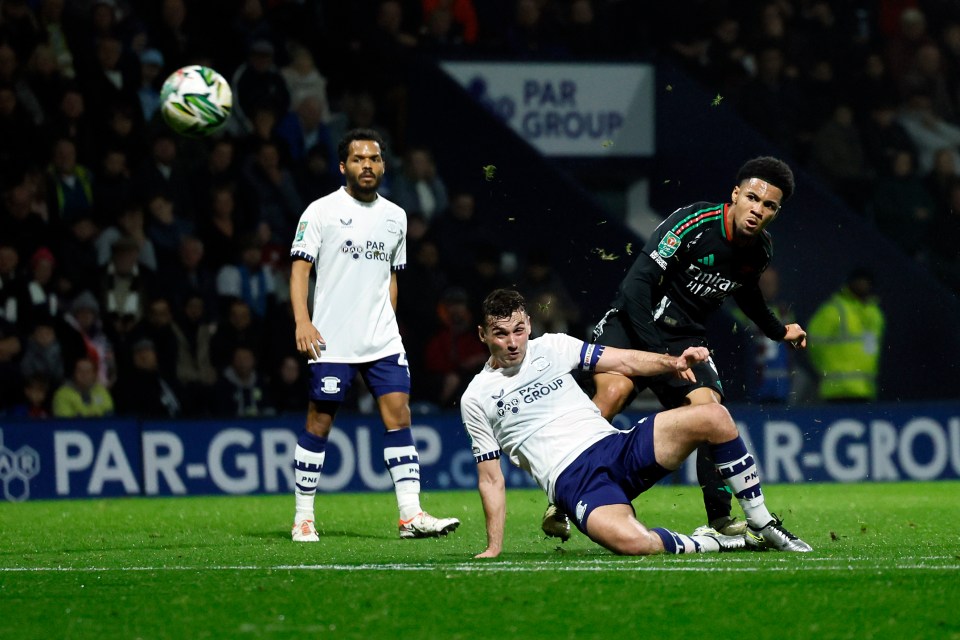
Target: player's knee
{"type": "Point", "coordinates": [610, 398]}
{"type": "Point", "coordinates": [720, 424]}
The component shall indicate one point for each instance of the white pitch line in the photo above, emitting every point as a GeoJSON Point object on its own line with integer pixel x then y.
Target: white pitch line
{"type": "Point", "coordinates": [496, 567]}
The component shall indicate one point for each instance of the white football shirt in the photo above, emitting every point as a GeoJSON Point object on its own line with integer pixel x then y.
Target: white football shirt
{"type": "Point", "coordinates": [535, 412]}
{"type": "Point", "coordinates": [353, 246]}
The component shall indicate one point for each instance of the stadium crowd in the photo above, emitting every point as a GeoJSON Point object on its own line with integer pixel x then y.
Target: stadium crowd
{"type": "Point", "coordinates": [145, 274]}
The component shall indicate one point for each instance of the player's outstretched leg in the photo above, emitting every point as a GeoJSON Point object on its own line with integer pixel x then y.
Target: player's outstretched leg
{"type": "Point", "coordinates": [765, 531]}
{"type": "Point", "coordinates": [717, 497]}
{"type": "Point", "coordinates": [403, 462]}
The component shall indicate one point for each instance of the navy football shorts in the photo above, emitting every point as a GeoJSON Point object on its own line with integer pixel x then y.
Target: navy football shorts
{"type": "Point", "coordinates": [330, 381]}
{"type": "Point", "coordinates": [614, 331]}
{"type": "Point", "coordinates": [614, 470]}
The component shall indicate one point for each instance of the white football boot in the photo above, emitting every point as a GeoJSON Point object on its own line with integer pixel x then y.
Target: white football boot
{"type": "Point", "coordinates": [304, 531]}
{"type": "Point", "coordinates": [424, 525]}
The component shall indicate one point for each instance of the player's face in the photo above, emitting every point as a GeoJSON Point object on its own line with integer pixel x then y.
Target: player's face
{"type": "Point", "coordinates": [507, 339]}
{"type": "Point", "coordinates": [755, 205]}
{"type": "Point", "coordinates": [363, 169]}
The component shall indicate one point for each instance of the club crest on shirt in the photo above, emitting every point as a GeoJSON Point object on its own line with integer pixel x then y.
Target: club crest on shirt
{"type": "Point", "coordinates": [540, 363]}
{"type": "Point", "coordinates": [669, 245]}
{"type": "Point", "coordinates": [393, 227]}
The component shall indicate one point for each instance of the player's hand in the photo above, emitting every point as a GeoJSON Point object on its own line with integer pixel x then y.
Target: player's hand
{"type": "Point", "coordinates": [690, 357]}
{"type": "Point", "coordinates": [796, 336]}
{"type": "Point", "coordinates": [309, 341]}
{"type": "Point", "coordinates": [488, 553]}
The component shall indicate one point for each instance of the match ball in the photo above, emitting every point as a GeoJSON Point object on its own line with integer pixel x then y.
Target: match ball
{"type": "Point", "coordinates": [196, 101]}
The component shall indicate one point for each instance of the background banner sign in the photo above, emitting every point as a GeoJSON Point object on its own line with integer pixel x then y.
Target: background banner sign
{"type": "Point", "coordinates": [97, 458]}
{"type": "Point", "coordinates": [595, 110]}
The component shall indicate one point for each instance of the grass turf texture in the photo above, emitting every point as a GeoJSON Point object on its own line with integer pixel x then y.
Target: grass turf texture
{"type": "Point", "coordinates": [886, 564]}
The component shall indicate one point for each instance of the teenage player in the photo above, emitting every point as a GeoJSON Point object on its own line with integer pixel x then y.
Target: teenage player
{"type": "Point", "coordinates": [526, 404]}
{"type": "Point", "coordinates": [356, 241]}
{"type": "Point", "coordinates": [698, 256]}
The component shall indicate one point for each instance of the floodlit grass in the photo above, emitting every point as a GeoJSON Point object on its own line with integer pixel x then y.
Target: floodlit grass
{"type": "Point", "coordinates": [886, 565]}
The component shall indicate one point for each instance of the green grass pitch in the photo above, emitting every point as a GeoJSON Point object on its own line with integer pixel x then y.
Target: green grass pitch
{"type": "Point", "coordinates": [886, 564]}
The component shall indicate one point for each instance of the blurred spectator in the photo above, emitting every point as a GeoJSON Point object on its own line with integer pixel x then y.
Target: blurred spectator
{"type": "Point", "coordinates": [71, 184]}
{"type": "Point", "coordinates": [143, 391]}
{"type": "Point", "coordinates": [158, 326]}
{"type": "Point", "coordinates": [925, 74]}
{"type": "Point", "coordinates": [195, 372]}
{"type": "Point", "coordinates": [73, 122]}
{"type": "Point", "coordinates": [20, 225]}
{"type": "Point", "coordinates": [316, 175]}
{"type": "Point", "coordinates": [222, 229]}
{"type": "Point", "coordinates": [238, 329]}
{"type": "Point", "coordinates": [845, 338]}
{"type": "Point", "coordinates": [940, 179]}
{"type": "Point", "coordinates": [164, 174]}
{"type": "Point", "coordinates": [418, 188]}
{"type": "Point", "coordinates": [883, 137]}
{"type": "Point", "coordinates": [124, 284]}
{"type": "Point", "coordinates": [190, 276]}
{"type": "Point", "coordinates": [166, 230]}
{"type": "Point", "coordinates": [770, 101]}
{"type": "Point", "coordinates": [461, 13]}
{"type": "Point", "coordinates": [42, 354]}
{"type": "Point", "coordinates": [239, 392]}
{"type": "Point", "coordinates": [836, 153]}
{"type": "Point", "coordinates": [305, 81]}
{"type": "Point", "coordinates": [113, 188]}
{"type": "Point", "coordinates": [901, 206]}
{"type": "Point", "coordinates": [17, 131]}
{"type": "Point", "coordinates": [249, 280]}
{"type": "Point", "coordinates": [453, 354]}
{"type": "Point", "coordinates": [12, 76]}
{"type": "Point", "coordinates": [257, 83]}
{"type": "Point", "coordinates": [11, 280]}
{"type": "Point", "coordinates": [36, 401]}
{"type": "Point", "coordinates": [928, 132]}
{"type": "Point", "coordinates": [79, 269]}
{"type": "Point", "coordinates": [84, 337]}
{"type": "Point", "coordinates": [460, 234]}
{"type": "Point", "coordinates": [304, 129]}
{"type": "Point", "coordinates": [274, 193]}
{"type": "Point", "coordinates": [50, 14]}
{"type": "Point", "coordinates": [111, 81]}
{"type": "Point", "coordinates": [289, 386]}
{"type": "Point", "coordinates": [10, 348]}
{"type": "Point", "coordinates": [171, 33]}
{"type": "Point", "coordinates": [220, 169]}
{"type": "Point", "coordinates": [130, 224]}
{"type": "Point", "coordinates": [39, 300]}
{"type": "Point", "coordinates": [485, 276]}
{"type": "Point", "coordinates": [83, 395]}
{"type": "Point", "coordinates": [902, 47]}
{"type": "Point", "coordinates": [553, 309]}
{"type": "Point", "coordinates": [359, 110]}
{"type": "Point", "coordinates": [151, 79]}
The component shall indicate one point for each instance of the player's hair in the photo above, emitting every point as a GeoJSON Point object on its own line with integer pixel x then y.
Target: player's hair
{"type": "Point", "coordinates": [343, 148]}
{"type": "Point", "coordinates": [502, 303]}
{"type": "Point", "coordinates": [771, 170]}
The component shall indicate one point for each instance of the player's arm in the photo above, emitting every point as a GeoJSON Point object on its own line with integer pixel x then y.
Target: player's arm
{"type": "Point", "coordinates": [393, 290]}
{"type": "Point", "coordinates": [631, 362]}
{"type": "Point", "coordinates": [643, 284]}
{"type": "Point", "coordinates": [490, 484]}
{"type": "Point", "coordinates": [750, 300]}
{"type": "Point", "coordinates": [307, 336]}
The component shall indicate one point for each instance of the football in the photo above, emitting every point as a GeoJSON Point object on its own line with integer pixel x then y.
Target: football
{"type": "Point", "coordinates": [196, 101]}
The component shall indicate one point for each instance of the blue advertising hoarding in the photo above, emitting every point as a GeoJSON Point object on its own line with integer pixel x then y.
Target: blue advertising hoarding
{"type": "Point", "coordinates": [101, 458]}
